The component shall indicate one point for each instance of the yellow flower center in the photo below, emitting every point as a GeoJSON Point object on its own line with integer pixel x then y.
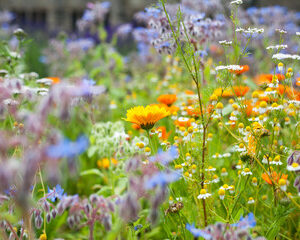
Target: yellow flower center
{"type": "Point", "coordinates": [203, 191]}
{"type": "Point", "coordinates": [282, 182]}
{"type": "Point", "coordinates": [221, 192]}
{"type": "Point", "coordinates": [294, 165]}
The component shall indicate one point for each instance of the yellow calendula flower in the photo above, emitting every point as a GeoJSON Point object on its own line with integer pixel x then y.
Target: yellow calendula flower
{"type": "Point", "coordinates": [147, 116]}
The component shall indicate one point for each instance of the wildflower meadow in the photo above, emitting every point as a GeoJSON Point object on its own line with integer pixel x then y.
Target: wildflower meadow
{"type": "Point", "coordinates": [181, 124]}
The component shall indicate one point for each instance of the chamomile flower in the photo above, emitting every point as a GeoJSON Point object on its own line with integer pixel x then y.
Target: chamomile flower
{"type": "Point", "coordinates": [293, 167]}
{"type": "Point", "coordinates": [241, 148]}
{"type": "Point", "coordinates": [221, 193]}
{"type": "Point", "coordinates": [215, 179]}
{"type": "Point", "coordinates": [241, 128]}
{"type": "Point", "coordinates": [203, 194]}
{"type": "Point", "coordinates": [217, 155]}
{"type": "Point", "coordinates": [210, 169]}
{"type": "Point", "coordinates": [147, 151]}
{"type": "Point", "coordinates": [209, 137]}
{"type": "Point", "coordinates": [287, 121]}
{"type": "Point", "coordinates": [224, 172]}
{"type": "Point", "coordinates": [246, 171]}
{"type": "Point", "coordinates": [254, 181]}
{"type": "Point", "coordinates": [282, 183]}
{"type": "Point", "coordinates": [280, 67]}
{"type": "Point", "coordinates": [251, 200]}
{"type": "Point", "coordinates": [226, 187]}
{"type": "Point", "coordinates": [265, 159]}
{"type": "Point", "coordinates": [219, 107]}
{"type": "Point", "coordinates": [275, 106]}
{"type": "Point", "coordinates": [233, 117]}
{"type": "Point", "coordinates": [262, 107]}
{"type": "Point", "coordinates": [239, 164]}
{"type": "Point", "coordinates": [276, 161]}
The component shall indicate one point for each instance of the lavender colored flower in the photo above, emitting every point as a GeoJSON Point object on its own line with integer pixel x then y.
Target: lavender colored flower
{"type": "Point", "coordinates": [68, 149]}
{"type": "Point", "coordinates": [55, 193]}
{"type": "Point", "coordinates": [165, 157]}
{"type": "Point", "coordinates": [198, 232]}
{"type": "Point", "coordinates": [246, 222]}
{"type": "Point", "coordinates": [162, 179]}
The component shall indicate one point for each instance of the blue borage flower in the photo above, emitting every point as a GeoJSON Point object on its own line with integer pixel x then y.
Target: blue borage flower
{"type": "Point", "coordinates": [246, 222]}
{"type": "Point", "coordinates": [165, 157]}
{"type": "Point", "coordinates": [197, 232]}
{"type": "Point", "coordinates": [162, 179]}
{"type": "Point", "coordinates": [67, 149]}
{"type": "Point", "coordinates": [56, 192]}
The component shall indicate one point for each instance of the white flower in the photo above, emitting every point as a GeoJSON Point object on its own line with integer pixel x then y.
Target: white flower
{"type": "Point", "coordinates": [276, 162]}
{"type": "Point", "coordinates": [46, 81]}
{"type": "Point", "coordinates": [265, 160]}
{"type": "Point", "coordinates": [250, 30]}
{"type": "Point", "coordinates": [10, 102]}
{"type": "Point", "coordinates": [280, 31]}
{"type": "Point", "coordinates": [297, 33]}
{"type": "Point", "coordinates": [225, 42]}
{"type": "Point", "coordinates": [229, 67]}
{"type": "Point", "coordinates": [251, 200]}
{"type": "Point", "coordinates": [278, 47]}
{"type": "Point", "coordinates": [282, 56]}
{"type": "Point", "coordinates": [293, 167]}
{"type": "Point", "coordinates": [210, 169]}
{"type": "Point", "coordinates": [246, 171]}
{"type": "Point", "coordinates": [203, 194]}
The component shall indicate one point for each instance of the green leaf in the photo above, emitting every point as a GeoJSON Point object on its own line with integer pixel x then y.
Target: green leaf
{"type": "Point", "coordinates": [105, 191]}
{"type": "Point", "coordinates": [121, 186]}
{"type": "Point", "coordinates": [238, 215]}
{"type": "Point", "coordinates": [93, 171]}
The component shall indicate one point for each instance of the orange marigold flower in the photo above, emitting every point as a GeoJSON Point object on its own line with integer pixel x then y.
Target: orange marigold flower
{"type": "Point", "coordinates": [136, 126]}
{"type": "Point", "coordinates": [167, 99]}
{"type": "Point", "coordinates": [267, 78]}
{"type": "Point", "coordinates": [240, 91]}
{"type": "Point", "coordinates": [245, 68]}
{"type": "Point", "coordinates": [147, 116]}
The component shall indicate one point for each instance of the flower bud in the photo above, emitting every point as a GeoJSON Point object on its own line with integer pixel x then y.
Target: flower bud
{"type": "Point", "coordinates": [48, 217]}
{"type": "Point", "coordinates": [38, 221]}
{"type": "Point", "coordinates": [53, 213]}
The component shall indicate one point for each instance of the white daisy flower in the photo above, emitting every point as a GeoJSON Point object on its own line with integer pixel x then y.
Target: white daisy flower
{"type": "Point", "coordinates": [203, 194]}
{"type": "Point", "coordinates": [246, 171]}
{"type": "Point", "coordinates": [293, 167]}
